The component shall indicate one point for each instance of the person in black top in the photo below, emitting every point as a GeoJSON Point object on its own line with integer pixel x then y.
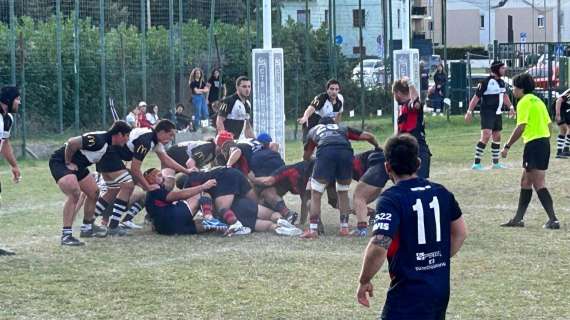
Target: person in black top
{"type": "Point", "coordinates": [198, 88]}
{"type": "Point", "coordinates": [182, 121]}
{"type": "Point", "coordinates": [333, 163]}
{"type": "Point", "coordinates": [438, 90]}
{"type": "Point", "coordinates": [235, 111]}
{"type": "Point", "coordinates": [492, 93]}
{"type": "Point", "coordinates": [68, 166]}
{"type": "Point", "coordinates": [217, 92]}
{"type": "Point", "coordinates": [193, 154]}
{"type": "Point", "coordinates": [411, 120]}
{"type": "Point", "coordinates": [562, 117]}
{"type": "Point", "coordinates": [327, 104]}
{"type": "Point", "coordinates": [424, 81]}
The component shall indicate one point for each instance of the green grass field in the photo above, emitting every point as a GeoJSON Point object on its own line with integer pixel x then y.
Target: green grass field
{"type": "Point", "coordinates": [499, 273]}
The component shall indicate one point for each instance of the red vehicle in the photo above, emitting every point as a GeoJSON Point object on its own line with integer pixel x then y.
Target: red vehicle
{"type": "Point", "coordinates": [540, 75]}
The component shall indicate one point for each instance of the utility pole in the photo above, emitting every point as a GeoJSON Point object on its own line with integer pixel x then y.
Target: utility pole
{"type": "Point", "coordinates": [559, 22]}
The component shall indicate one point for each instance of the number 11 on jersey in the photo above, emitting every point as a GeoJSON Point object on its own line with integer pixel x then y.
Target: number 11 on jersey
{"type": "Point", "coordinates": [419, 209]}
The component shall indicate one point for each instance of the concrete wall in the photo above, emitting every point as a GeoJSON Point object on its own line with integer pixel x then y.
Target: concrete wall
{"type": "Point", "coordinates": [523, 21]}
{"type": "Point", "coordinates": [463, 27]}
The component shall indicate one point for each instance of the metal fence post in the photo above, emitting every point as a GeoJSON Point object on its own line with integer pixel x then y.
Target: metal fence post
{"type": "Point", "coordinates": [181, 84]}
{"type": "Point", "coordinates": [171, 45]}
{"type": "Point", "coordinates": [23, 98]}
{"type": "Point", "coordinates": [143, 48]}
{"type": "Point", "coordinates": [103, 62]}
{"type": "Point", "coordinates": [123, 75]}
{"type": "Point", "coordinates": [59, 66]}
{"type": "Point", "coordinates": [76, 64]}
{"type": "Point", "coordinates": [210, 35]}
{"type": "Point", "coordinates": [12, 43]}
{"type": "Point", "coordinates": [248, 35]}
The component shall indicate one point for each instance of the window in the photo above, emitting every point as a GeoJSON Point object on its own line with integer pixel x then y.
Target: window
{"type": "Point", "coordinates": [356, 50]}
{"type": "Point", "coordinates": [398, 19]}
{"type": "Point", "coordinates": [358, 17]}
{"type": "Point", "coordinates": [430, 26]}
{"type": "Point", "coordinates": [540, 21]}
{"type": "Point", "coordinates": [481, 24]}
{"type": "Point", "coordinates": [301, 16]}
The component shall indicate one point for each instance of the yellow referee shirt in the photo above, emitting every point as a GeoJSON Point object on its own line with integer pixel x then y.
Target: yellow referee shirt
{"type": "Point", "coordinates": [532, 112]}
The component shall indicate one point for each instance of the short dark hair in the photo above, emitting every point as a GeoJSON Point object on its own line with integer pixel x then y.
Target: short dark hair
{"type": "Point", "coordinates": [164, 125]}
{"type": "Point", "coordinates": [119, 126]}
{"type": "Point", "coordinates": [496, 66]}
{"type": "Point", "coordinates": [401, 86]}
{"type": "Point", "coordinates": [180, 105]}
{"type": "Point", "coordinates": [401, 153]}
{"type": "Point", "coordinates": [148, 171]}
{"type": "Point", "coordinates": [331, 82]}
{"type": "Point", "coordinates": [525, 82]}
{"type": "Point", "coordinates": [240, 79]}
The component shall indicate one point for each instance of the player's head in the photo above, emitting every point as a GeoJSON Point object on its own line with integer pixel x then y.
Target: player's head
{"type": "Point", "coordinates": [223, 137]}
{"type": "Point", "coordinates": [401, 154]}
{"type": "Point", "coordinates": [179, 108]}
{"type": "Point", "coordinates": [119, 132]}
{"type": "Point", "coordinates": [142, 106]}
{"type": "Point", "coordinates": [264, 138]}
{"type": "Point", "coordinates": [333, 88]}
{"type": "Point", "coordinates": [10, 98]}
{"type": "Point", "coordinates": [439, 67]}
{"type": "Point", "coordinates": [498, 68]}
{"type": "Point", "coordinates": [522, 84]}
{"type": "Point", "coordinates": [326, 120]}
{"type": "Point", "coordinates": [401, 91]}
{"type": "Point", "coordinates": [165, 131]}
{"type": "Point", "coordinates": [153, 176]}
{"type": "Point", "coordinates": [243, 86]}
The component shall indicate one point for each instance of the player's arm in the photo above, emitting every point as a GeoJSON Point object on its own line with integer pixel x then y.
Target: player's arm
{"type": "Point", "coordinates": [235, 154]}
{"type": "Point", "coordinates": [8, 154]}
{"type": "Point", "coordinates": [248, 130]}
{"type": "Point", "coordinates": [262, 181]}
{"type": "Point", "coordinates": [187, 193]}
{"type": "Point", "coordinates": [558, 106]}
{"type": "Point", "coordinates": [308, 112]}
{"type": "Point", "coordinates": [309, 148]}
{"type": "Point", "coordinates": [222, 115]}
{"type": "Point", "coordinates": [374, 257]}
{"type": "Point", "coordinates": [357, 135]}
{"type": "Point", "coordinates": [73, 145]}
{"type": "Point", "coordinates": [458, 235]}
{"type": "Point", "coordinates": [414, 95]}
{"type": "Point", "coordinates": [338, 117]}
{"type": "Point", "coordinates": [167, 162]}
{"type": "Point", "coordinates": [137, 174]}
{"type": "Point", "coordinates": [515, 135]}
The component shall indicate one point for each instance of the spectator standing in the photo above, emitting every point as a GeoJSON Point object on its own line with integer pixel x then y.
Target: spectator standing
{"type": "Point", "coordinates": [424, 82]}
{"type": "Point", "coordinates": [198, 89]}
{"type": "Point", "coordinates": [438, 91]}
{"type": "Point", "coordinates": [217, 92]}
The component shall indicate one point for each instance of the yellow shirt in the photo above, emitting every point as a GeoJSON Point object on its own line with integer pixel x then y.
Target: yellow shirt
{"type": "Point", "coordinates": [532, 112]}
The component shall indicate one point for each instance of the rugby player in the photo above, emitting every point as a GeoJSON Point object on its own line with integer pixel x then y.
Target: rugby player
{"type": "Point", "coordinates": [68, 166]}
{"type": "Point", "coordinates": [327, 104]}
{"type": "Point", "coordinates": [562, 116]}
{"type": "Point", "coordinates": [193, 154]}
{"type": "Point", "coordinates": [492, 93]}
{"type": "Point", "coordinates": [418, 228]}
{"type": "Point", "coordinates": [235, 111]}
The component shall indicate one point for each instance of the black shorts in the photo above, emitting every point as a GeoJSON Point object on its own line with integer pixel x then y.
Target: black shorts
{"type": "Point", "coordinates": [229, 181]}
{"type": "Point", "coordinates": [375, 176]}
{"type": "Point", "coordinates": [424, 316]}
{"type": "Point", "coordinates": [178, 220]}
{"type": "Point", "coordinates": [536, 154]}
{"type": "Point", "coordinates": [245, 210]}
{"type": "Point", "coordinates": [59, 170]}
{"type": "Point", "coordinates": [110, 162]}
{"type": "Point", "coordinates": [333, 163]}
{"type": "Point", "coordinates": [491, 121]}
{"type": "Point", "coordinates": [564, 116]}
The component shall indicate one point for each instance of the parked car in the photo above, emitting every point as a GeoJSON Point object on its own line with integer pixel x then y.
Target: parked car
{"type": "Point", "coordinates": [373, 72]}
{"type": "Point", "coordinates": [540, 76]}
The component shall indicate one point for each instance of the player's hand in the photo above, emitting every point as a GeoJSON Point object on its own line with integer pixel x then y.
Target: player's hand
{"type": "Point", "coordinates": [153, 187]}
{"type": "Point", "coordinates": [190, 170]}
{"type": "Point", "coordinates": [504, 152]}
{"type": "Point", "coordinates": [72, 166]}
{"type": "Point", "coordinates": [209, 184]}
{"type": "Point", "coordinates": [302, 120]}
{"type": "Point", "coordinates": [16, 175]}
{"type": "Point", "coordinates": [361, 294]}
{"type": "Point", "coordinates": [512, 112]}
{"type": "Point", "coordinates": [468, 117]}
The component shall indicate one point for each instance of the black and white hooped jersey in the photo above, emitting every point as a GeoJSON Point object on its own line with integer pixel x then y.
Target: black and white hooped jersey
{"type": "Point", "coordinates": [492, 92]}
{"type": "Point", "coordinates": [325, 108]}
{"type": "Point", "coordinates": [5, 126]}
{"type": "Point", "coordinates": [141, 141]}
{"type": "Point", "coordinates": [236, 113]}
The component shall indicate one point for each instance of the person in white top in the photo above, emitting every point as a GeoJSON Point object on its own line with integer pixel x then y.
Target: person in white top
{"type": "Point", "coordinates": [152, 114]}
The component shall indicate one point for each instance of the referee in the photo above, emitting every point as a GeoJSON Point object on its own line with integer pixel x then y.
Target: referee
{"type": "Point", "coordinates": [533, 125]}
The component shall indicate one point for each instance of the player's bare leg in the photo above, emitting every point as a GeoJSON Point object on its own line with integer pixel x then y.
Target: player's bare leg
{"type": "Point", "coordinates": [363, 195]}
{"type": "Point", "coordinates": [317, 189]}
{"type": "Point", "coordinates": [342, 187]}
{"type": "Point", "coordinates": [70, 187]}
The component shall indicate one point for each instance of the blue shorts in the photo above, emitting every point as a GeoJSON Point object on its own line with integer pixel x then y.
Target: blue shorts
{"type": "Point", "coordinates": [176, 220]}
{"type": "Point", "coordinates": [333, 163]}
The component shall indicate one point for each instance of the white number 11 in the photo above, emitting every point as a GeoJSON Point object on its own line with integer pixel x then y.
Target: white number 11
{"type": "Point", "coordinates": [419, 209]}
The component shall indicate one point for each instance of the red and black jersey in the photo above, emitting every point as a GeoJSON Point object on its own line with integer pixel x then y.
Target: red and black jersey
{"type": "Point", "coordinates": [411, 120]}
{"type": "Point", "coordinates": [294, 177]}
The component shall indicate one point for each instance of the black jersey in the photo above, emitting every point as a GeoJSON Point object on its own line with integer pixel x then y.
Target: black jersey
{"type": "Point", "coordinates": [236, 113]}
{"type": "Point", "coordinates": [492, 92]}
{"type": "Point", "coordinates": [265, 161]}
{"type": "Point", "coordinates": [141, 141]}
{"type": "Point", "coordinates": [565, 96]}
{"type": "Point", "coordinates": [6, 121]}
{"type": "Point", "coordinates": [364, 160]}
{"type": "Point", "coordinates": [93, 146]}
{"type": "Point", "coordinates": [331, 135]}
{"type": "Point", "coordinates": [203, 152]}
{"type": "Point", "coordinates": [325, 108]}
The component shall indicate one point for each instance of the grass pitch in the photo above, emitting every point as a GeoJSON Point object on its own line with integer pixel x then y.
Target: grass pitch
{"type": "Point", "coordinates": [499, 273]}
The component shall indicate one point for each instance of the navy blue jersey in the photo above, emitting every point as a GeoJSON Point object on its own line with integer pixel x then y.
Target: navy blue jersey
{"type": "Point", "coordinates": [265, 161]}
{"type": "Point", "coordinates": [417, 215]}
{"type": "Point", "coordinates": [168, 218]}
